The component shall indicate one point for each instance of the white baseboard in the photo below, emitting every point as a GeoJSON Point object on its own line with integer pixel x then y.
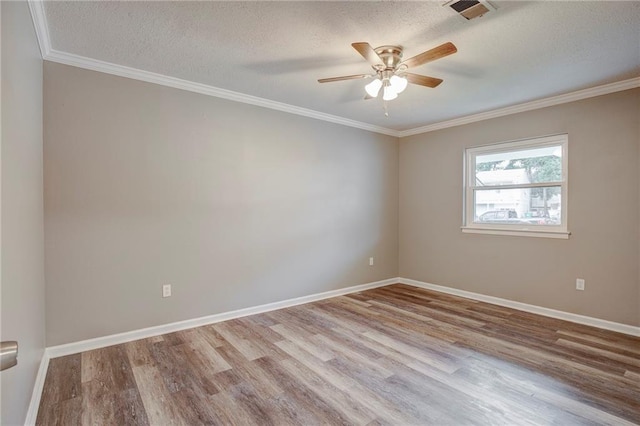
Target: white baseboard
{"type": "Point", "coordinates": [101, 342]}
{"type": "Point", "coordinates": [116, 339]}
{"type": "Point", "coordinates": [38, 386]}
{"type": "Point", "coordinates": [547, 312]}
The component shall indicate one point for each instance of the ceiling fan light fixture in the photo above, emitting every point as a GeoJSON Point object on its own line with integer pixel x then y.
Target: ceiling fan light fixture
{"type": "Point", "coordinates": [398, 83]}
{"type": "Point", "coordinates": [389, 93]}
{"type": "Point", "coordinates": [373, 88]}
{"type": "Point", "coordinates": [391, 74]}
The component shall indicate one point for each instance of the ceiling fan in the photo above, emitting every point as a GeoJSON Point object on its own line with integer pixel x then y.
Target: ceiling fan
{"type": "Point", "coordinates": [390, 71]}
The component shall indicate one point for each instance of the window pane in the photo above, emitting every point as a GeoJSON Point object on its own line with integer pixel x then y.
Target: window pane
{"type": "Point", "coordinates": [531, 165]}
{"type": "Point", "coordinates": [530, 206]}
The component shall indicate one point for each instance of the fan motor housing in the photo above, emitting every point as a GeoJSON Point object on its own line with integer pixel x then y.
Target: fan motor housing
{"type": "Point", "coordinates": [390, 55]}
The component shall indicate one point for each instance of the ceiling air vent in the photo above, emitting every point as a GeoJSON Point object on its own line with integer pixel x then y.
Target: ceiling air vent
{"type": "Point", "coordinates": [470, 9]}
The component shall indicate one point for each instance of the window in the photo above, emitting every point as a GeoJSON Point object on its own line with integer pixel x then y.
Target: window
{"type": "Point", "coordinates": [517, 188]}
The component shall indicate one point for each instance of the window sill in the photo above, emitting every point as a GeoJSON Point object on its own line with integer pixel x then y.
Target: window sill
{"type": "Point", "coordinates": [517, 233]}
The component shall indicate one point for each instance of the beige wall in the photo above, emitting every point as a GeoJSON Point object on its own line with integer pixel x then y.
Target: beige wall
{"type": "Point", "coordinates": [236, 206]}
{"type": "Point", "coordinates": [23, 290]}
{"type": "Point", "coordinates": [604, 213]}
{"type": "Point", "coordinates": [233, 205]}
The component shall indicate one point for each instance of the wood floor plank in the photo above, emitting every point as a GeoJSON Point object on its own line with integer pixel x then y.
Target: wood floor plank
{"type": "Point", "coordinates": [157, 400]}
{"type": "Point", "coordinates": [109, 391]}
{"type": "Point", "coordinates": [307, 321]}
{"type": "Point", "coordinates": [373, 365]}
{"type": "Point", "coordinates": [248, 349]}
{"type": "Point", "coordinates": [412, 352]}
{"type": "Point", "coordinates": [229, 411]}
{"type": "Point", "coordinates": [120, 367]}
{"type": "Point", "coordinates": [129, 408]}
{"type": "Point", "coordinates": [315, 365]}
{"type": "Point", "coordinates": [156, 339]}
{"type": "Point", "coordinates": [65, 375]}
{"type": "Point", "coordinates": [289, 411]}
{"type": "Point", "coordinates": [421, 306]}
{"type": "Point", "coordinates": [632, 375]}
{"type": "Point", "coordinates": [298, 338]}
{"type": "Point", "coordinates": [346, 322]}
{"type": "Point", "coordinates": [205, 357]}
{"type": "Point", "coordinates": [97, 405]}
{"type": "Point", "coordinates": [193, 372]}
{"type": "Point", "coordinates": [512, 384]}
{"type": "Point", "coordinates": [176, 374]}
{"type": "Point", "coordinates": [195, 407]}
{"type": "Point", "coordinates": [209, 334]}
{"type": "Point", "coordinates": [138, 352]}
{"type": "Point", "coordinates": [423, 393]}
{"type": "Point", "coordinates": [63, 382]}
{"type": "Point", "coordinates": [354, 412]}
{"type": "Point", "coordinates": [246, 396]}
{"type": "Point", "coordinates": [579, 380]}
{"type": "Point", "coordinates": [250, 372]}
{"type": "Point", "coordinates": [405, 402]}
{"type": "Point", "coordinates": [312, 400]}
{"type": "Point", "coordinates": [394, 355]}
{"type": "Point", "coordinates": [606, 354]}
{"type": "Point", "coordinates": [294, 404]}
{"type": "Point", "coordinates": [621, 344]}
{"type": "Point", "coordinates": [71, 411]}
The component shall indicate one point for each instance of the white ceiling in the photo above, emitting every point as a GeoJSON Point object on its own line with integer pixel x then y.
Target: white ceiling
{"type": "Point", "coordinates": [277, 50]}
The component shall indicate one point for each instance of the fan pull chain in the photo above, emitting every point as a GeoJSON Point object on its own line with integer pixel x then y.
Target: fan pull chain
{"type": "Point", "coordinates": [386, 110]}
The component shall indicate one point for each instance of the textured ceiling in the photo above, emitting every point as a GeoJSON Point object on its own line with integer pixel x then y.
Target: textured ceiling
{"type": "Point", "coordinates": [277, 50]}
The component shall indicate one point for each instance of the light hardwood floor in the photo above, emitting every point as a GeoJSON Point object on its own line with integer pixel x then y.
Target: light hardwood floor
{"type": "Point", "coordinates": [393, 355]}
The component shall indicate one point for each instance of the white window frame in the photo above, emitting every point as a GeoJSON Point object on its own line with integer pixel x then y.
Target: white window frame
{"type": "Point", "coordinates": [527, 230]}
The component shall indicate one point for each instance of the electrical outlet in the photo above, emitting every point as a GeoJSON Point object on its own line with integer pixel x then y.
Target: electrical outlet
{"type": "Point", "coordinates": [371, 261]}
{"type": "Point", "coordinates": [166, 290]}
{"type": "Point", "coordinates": [579, 284]}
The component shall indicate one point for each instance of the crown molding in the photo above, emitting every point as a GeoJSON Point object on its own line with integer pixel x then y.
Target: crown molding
{"type": "Point", "coordinates": [177, 83]}
{"type": "Point", "coordinates": [40, 24]}
{"type": "Point", "coordinates": [591, 92]}
{"type": "Point", "coordinates": [49, 54]}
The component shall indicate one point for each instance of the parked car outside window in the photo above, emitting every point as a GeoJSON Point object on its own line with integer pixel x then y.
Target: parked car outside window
{"type": "Point", "coordinates": [501, 216]}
